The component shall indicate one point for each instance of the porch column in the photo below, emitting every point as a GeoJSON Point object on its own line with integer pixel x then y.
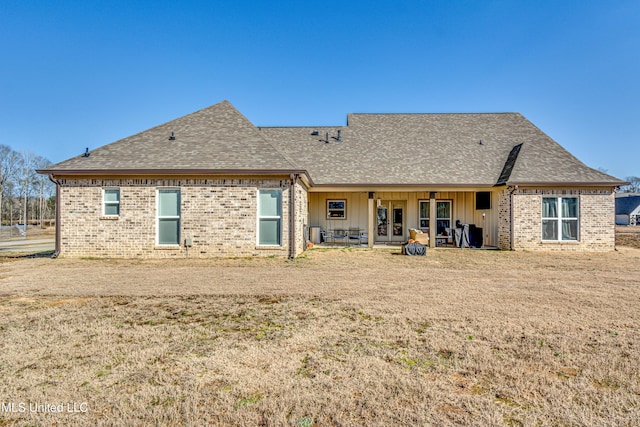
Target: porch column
{"type": "Point", "coordinates": [432, 219]}
{"type": "Point", "coordinates": [370, 220]}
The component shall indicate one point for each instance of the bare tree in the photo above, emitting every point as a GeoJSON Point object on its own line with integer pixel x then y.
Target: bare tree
{"type": "Point", "coordinates": [43, 187]}
{"type": "Point", "coordinates": [9, 164]}
{"type": "Point", "coordinates": [27, 177]}
{"type": "Point", "coordinates": [633, 187]}
{"type": "Point", "coordinates": [22, 187]}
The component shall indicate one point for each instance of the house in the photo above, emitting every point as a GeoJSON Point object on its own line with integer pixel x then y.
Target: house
{"type": "Point", "coordinates": [213, 184]}
{"type": "Point", "coordinates": [627, 209]}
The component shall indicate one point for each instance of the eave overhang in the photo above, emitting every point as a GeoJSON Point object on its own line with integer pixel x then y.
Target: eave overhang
{"type": "Point", "coordinates": [397, 187]}
{"type": "Point", "coordinates": [565, 184]}
{"type": "Point", "coordinates": [303, 174]}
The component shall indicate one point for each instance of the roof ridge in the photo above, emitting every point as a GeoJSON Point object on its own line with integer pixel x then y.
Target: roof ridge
{"type": "Point", "coordinates": [436, 114]}
{"type": "Point", "coordinates": [301, 127]}
{"type": "Point", "coordinates": [257, 131]}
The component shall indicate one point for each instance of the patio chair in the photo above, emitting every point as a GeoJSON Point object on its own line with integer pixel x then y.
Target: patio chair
{"type": "Point", "coordinates": [355, 235]}
{"type": "Point", "coordinates": [329, 236]}
{"type": "Point", "coordinates": [326, 236]}
{"type": "Point", "coordinates": [340, 234]}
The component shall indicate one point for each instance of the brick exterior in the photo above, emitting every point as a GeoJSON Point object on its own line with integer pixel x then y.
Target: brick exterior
{"type": "Point", "coordinates": [504, 220]}
{"type": "Point", "coordinates": [302, 218]}
{"type": "Point", "coordinates": [219, 216]}
{"type": "Point", "coordinates": [596, 219]}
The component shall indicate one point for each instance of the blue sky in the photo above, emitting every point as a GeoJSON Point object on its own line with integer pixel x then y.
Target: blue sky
{"type": "Point", "coordinates": [79, 74]}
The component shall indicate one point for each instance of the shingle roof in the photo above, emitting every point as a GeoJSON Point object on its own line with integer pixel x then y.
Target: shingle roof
{"type": "Point", "coordinates": [433, 149]}
{"type": "Point", "coordinates": [627, 203]}
{"type": "Point", "coordinates": [374, 149]}
{"type": "Point", "coordinates": [214, 138]}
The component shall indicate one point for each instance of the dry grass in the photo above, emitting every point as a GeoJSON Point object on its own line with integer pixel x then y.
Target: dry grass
{"type": "Point", "coordinates": [337, 337]}
{"type": "Point", "coordinates": [628, 236]}
{"type": "Point", "coordinates": [33, 232]}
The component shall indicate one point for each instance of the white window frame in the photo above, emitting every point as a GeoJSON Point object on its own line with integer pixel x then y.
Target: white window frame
{"type": "Point", "coordinates": [260, 217]}
{"type": "Point", "coordinates": [110, 203]}
{"type": "Point", "coordinates": [559, 219]}
{"type": "Point", "coordinates": [420, 219]}
{"type": "Point", "coordinates": [158, 217]}
{"type": "Point", "coordinates": [337, 210]}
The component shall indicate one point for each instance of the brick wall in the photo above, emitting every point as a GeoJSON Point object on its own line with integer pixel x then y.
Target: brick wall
{"type": "Point", "coordinates": [218, 215]}
{"type": "Point", "coordinates": [504, 220]}
{"type": "Point", "coordinates": [596, 219]}
{"type": "Point", "coordinates": [302, 218]}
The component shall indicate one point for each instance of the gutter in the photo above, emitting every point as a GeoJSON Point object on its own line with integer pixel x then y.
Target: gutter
{"type": "Point", "coordinates": [172, 172]}
{"type": "Point", "coordinates": [56, 253]}
{"type": "Point", "coordinates": [568, 184]}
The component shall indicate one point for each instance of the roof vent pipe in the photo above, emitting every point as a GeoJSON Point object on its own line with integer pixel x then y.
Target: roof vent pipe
{"type": "Point", "coordinates": [339, 137]}
{"type": "Point", "coordinates": [326, 138]}
{"type": "Point", "coordinates": [86, 153]}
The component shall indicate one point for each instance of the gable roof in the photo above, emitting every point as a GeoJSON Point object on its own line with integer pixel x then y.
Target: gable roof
{"type": "Point", "coordinates": [627, 204]}
{"type": "Point", "coordinates": [217, 138]}
{"type": "Point", "coordinates": [373, 149]}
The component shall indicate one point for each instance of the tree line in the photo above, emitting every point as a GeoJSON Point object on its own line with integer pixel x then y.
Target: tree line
{"type": "Point", "coordinates": [633, 187]}
{"type": "Point", "coordinates": [26, 197]}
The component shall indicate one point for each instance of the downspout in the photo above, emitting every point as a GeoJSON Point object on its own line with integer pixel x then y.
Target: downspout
{"type": "Point", "coordinates": [292, 216]}
{"type": "Point", "coordinates": [512, 217]}
{"type": "Point", "coordinates": [56, 253]}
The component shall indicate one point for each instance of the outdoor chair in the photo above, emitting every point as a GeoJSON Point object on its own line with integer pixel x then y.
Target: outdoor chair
{"type": "Point", "coordinates": [329, 236]}
{"type": "Point", "coordinates": [355, 235]}
{"type": "Point", "coordinates": [340, 234]}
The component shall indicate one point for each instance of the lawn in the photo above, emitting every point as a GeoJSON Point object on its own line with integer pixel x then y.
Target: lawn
{"type": "Point", "coordinates": [336, 337]}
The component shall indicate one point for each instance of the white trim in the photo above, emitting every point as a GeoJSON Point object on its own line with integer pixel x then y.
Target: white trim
{"type": "Point", "coordinates": [179, 217]}
{"type": "Point", "coordinates": [259, 217]}
{"type": "Point", "coordinates": [450, 218]}
{"type": "Point", "coordinates": [559, 219]}
{"type": "Point", "coordinates": [105, 202]}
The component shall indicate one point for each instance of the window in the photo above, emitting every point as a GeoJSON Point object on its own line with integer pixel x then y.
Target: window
{"type": "Point", "coordinates": [336, 209]}
{"type": "Point", "coordinates": [270, 217]}
{"type": "Point", "coordinates": [169, 217]}
{"type": "Point", "coordinates": [443, 215]}
{"type": "Point", "coordinates": [559, 218]}
{"type": "Point", "coordinates": [111, 201]}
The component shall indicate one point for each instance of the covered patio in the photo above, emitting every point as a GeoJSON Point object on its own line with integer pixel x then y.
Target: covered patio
{"type": "Point", "coordinates": [382, 218]}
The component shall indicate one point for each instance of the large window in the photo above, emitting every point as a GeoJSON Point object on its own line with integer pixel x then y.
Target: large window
{"type": "Point", "coordinates": [111, 202]}
{"type": "Point", "coordinates": [559, 218]}
{"type": "Point", "coordinates": [443, 215]}
{"type": "Point", "coordinates": [169, 217]}
{"type": "Point", "coordinates": [270, 217]}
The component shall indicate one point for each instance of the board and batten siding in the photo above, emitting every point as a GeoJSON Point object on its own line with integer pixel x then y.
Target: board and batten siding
{"type": "Point", "coordinates": [462, 206]}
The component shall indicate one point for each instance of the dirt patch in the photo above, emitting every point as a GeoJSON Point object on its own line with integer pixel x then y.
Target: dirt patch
{"type": "Point", "coordinates": [337, 337]}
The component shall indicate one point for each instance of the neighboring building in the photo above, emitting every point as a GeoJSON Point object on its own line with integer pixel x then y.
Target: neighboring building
{"type": "Point", "coordinates": [627, 209]}
{"type": "Point", "coordinates": [212, 184]}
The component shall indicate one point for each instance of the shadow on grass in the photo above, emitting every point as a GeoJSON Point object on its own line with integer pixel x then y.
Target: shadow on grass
{"type": "Point", "coordinates": [15, 255]}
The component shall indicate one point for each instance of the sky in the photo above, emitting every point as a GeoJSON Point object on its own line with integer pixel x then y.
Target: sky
{"type": "Point", "coordinates": [76, 74]}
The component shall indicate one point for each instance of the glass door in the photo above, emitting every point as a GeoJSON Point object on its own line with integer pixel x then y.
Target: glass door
{"type": "Point", "coordinates": [382, 233]}
{"type": "Point", "coordinates": [390, 228]}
